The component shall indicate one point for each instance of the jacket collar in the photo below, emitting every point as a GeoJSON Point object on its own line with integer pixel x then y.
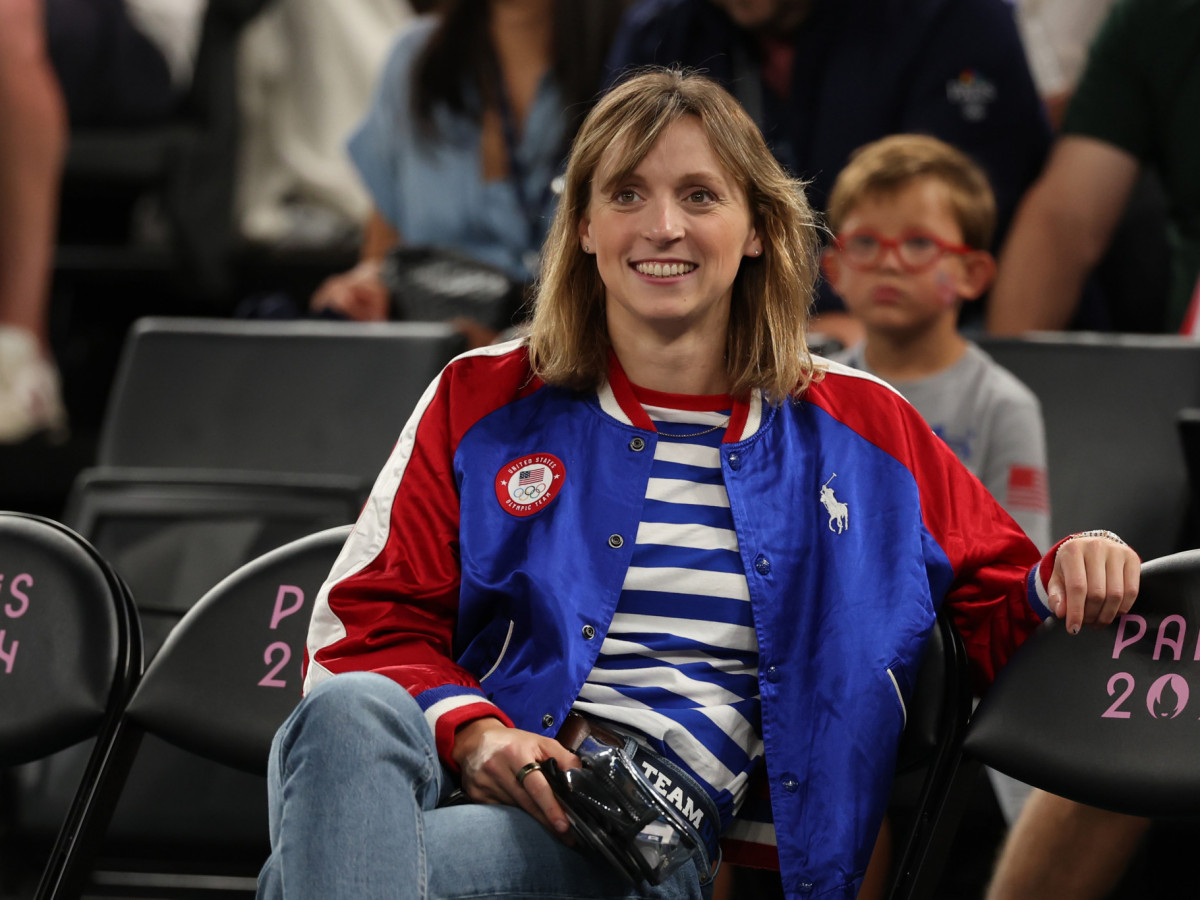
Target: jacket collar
{"type": "Point", "coordinates": [617, 400]}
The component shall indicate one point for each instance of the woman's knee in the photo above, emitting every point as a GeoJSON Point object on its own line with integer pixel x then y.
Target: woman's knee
{"type": "Point", "coordinates": [356, 700]}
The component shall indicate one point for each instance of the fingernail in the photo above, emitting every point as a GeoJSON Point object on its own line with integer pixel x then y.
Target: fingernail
{"type": "Point", "coordinates": [562, 825]}
{"type": "Point", "coordinates": [1074, 629]}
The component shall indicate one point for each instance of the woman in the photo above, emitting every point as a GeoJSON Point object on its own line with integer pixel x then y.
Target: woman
{"type": "Point", "coordinates": [660, 512]}
{"type": "Point", "coordinates": [470, 121]}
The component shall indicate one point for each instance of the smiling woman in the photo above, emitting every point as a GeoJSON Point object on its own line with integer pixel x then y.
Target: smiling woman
{"type": "Point", "coordinates": [630, 519]}
{"type": "Point", "coordinates": [673, 173]}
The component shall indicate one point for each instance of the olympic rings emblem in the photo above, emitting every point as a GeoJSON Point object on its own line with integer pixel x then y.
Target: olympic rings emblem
{"type": "Point", "coordinates": [527, 484]}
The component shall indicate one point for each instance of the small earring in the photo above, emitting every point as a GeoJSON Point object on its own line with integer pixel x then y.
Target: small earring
{"type": "Point", "coordinates": [757, 250]}
{"type": "Point", "coordinates": [587, 248]}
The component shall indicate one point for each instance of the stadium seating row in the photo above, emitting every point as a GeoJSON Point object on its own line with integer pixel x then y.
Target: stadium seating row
{"type": "Point", "coordinates": [225, 440]}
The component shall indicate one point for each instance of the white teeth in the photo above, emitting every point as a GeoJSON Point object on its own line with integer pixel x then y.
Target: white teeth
{"type": "Point", "coordinates": [670, 270]}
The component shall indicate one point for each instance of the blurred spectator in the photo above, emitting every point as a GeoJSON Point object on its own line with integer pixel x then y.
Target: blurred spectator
{"type": "Point", "coordinates": [1133, 108]}
{"type": "Point", "coordinates": [123, 62]}
{"type": "Point", "coordinates": [33, 134]}
{"type": "Point", "coordinates": [824, 77]}
{"type": "Point", "coordinates": [471, 117]}
{"type": "Point", "coordinates": [305, 71]}
{"type": "Point", "coordinates": [1056, 34]}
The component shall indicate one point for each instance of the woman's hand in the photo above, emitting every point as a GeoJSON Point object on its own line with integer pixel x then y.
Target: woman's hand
{"type": "Point", "coordinates": [490, 755]}
{"type": "Point", "coordinates": [358, 294]}
{"type": "Point", "coordinates": [1095, 579]}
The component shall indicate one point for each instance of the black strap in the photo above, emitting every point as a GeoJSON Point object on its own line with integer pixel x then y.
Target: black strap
{"type": "Point", "coordinates": [531, 209]}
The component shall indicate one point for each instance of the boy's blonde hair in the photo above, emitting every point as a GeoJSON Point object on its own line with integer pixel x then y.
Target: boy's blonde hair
{"type": "Point", "coordinates": [765, 348]}
{"type": "Point", "coordinates": [892, 163]}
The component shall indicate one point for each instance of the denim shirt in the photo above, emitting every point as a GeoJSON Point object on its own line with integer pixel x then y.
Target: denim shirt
{"type": "Point", "coordinates": [433, 192]}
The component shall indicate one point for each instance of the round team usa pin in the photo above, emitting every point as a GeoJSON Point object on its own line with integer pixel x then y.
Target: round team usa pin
{"type": "Point", "coordinates": [529, 483]}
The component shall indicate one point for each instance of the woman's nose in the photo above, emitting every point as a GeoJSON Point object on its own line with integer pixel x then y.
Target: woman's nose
{"type": "Point", "coordinates": [663, 223]}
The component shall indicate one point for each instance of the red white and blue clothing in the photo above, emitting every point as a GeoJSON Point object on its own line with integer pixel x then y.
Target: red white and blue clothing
{"type": "Point", "coordinates": [679, 664]}
{"type": "Point", "coordinates": [490, 562]}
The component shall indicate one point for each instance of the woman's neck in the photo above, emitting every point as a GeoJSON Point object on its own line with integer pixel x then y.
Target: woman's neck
{"type": "Point", "coordinates": [692, 366]}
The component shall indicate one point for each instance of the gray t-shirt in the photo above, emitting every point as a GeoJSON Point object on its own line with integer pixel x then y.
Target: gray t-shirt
{"type": "Point", "coordinates": [993, 423]}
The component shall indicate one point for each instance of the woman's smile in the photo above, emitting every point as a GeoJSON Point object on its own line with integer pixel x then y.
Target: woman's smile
{"type": "Point", "coordinates": [659, 270]}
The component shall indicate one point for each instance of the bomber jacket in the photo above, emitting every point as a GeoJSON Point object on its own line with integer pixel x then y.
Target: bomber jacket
{"type": "Point", "coordinates": [484, 597]}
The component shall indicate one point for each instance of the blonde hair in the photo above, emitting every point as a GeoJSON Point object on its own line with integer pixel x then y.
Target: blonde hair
{"type": "Point", "coordinates": [890, 164]}
{"type": "Point", "coordinates": [766, 348]}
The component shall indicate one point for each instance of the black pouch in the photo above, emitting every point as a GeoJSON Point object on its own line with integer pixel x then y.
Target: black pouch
{"type": "Point", "coordinates": [616, 812]}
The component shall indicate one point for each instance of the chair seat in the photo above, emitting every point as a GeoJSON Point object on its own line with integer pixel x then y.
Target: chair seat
{"type": "Point", "coordinates": [1107, 717]}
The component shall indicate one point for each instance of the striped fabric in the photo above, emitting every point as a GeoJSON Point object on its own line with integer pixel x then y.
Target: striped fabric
{"type": "Point", "coordinates": [679, 663]}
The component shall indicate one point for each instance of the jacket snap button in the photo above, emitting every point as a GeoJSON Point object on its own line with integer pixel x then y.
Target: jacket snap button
{"type": "Point", "coordinates": [588, 632]}
{"type": "Point", "coordinates": [806, 886]}
{"type": "Point", "coordinates": [790, 782]}
{"type": "Point", "coordinates": [616, 541]}
{"type": "Point", "coordinates": [735, 461]}
{"type": "Point", "coordinates": [762, 565]}
{"type": "Point", "coordinates": [547, 721]}
{"type": "Point", "coordinates": [637, 445]}
{"type": "Point", "coordinates": [773, 674]}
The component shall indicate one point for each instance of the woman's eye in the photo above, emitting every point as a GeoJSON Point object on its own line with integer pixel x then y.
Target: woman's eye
{"type": "Point", "coordinates": [701, 196]}
{"type": "Point", "coordinates": [625, 195]}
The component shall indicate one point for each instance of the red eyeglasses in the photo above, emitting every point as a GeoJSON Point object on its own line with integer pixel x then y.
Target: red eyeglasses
{"type": "Point", "coordinates": [917, 250]}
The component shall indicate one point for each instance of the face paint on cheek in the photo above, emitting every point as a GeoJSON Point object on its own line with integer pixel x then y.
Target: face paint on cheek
{"type": "Point", "coordinates": [946, 295]}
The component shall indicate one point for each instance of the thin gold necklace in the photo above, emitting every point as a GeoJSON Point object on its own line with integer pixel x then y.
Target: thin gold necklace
{"type": "Point", "coordinates": [697, 433]}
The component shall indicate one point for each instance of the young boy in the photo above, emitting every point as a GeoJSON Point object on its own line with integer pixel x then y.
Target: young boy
{"type": "Point", "coordinates": [912, 217]}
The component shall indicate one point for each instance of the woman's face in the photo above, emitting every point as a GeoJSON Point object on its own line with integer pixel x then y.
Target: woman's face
{"type": "Point", "coordinates": [669, 237]}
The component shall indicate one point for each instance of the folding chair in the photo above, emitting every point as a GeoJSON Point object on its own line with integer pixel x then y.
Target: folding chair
{"type": "Point", "coordinates": [226, 678]}
{"type": "Point", "coordinates": [1106, 717]}
{"type": "Point", "coordinates": [70, 656]}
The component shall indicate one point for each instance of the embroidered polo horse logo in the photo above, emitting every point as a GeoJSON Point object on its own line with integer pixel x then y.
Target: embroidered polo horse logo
{"type": "Point", "coordinates": [839, 513]}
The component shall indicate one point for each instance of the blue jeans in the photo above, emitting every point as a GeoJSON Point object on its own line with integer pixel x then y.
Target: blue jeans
{"type": "Point", "coordinates": [356, 788]}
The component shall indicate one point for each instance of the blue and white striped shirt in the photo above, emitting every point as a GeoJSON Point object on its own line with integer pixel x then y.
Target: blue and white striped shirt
{"type": "Point", "coordinates": [679, 664]}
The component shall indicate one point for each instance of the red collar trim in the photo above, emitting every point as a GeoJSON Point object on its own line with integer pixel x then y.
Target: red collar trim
{"type": "Point", "coordinates": [623, 392]}
{"type": "Point", "coordinates": [630, 398]}
{"type": "Point", "coordinates": [690, 402]}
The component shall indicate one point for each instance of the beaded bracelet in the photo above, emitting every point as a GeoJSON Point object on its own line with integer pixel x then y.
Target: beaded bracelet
{"type": "Point", "coordinates": [1099, 532]}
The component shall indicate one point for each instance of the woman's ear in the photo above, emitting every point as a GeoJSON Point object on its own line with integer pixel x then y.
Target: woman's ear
{"type": "Point", "coordinates": [979, 270]}
{"type": "Point", "coordinates": [753, 246]}
{"type": "Point", "coordinates": [585, 234]}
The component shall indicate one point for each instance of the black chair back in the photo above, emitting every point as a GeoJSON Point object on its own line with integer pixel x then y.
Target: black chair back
{"type": "Point", "coordinates": [1107, 717]}
{"type": "Point", "coordinates": [70, 649]}
{"type": "Point", "coordinates": [70, 657]}
{"type": "Point", "coordinates": [1110, 403]}
{"type": "Point", "coordinates": [229, 673]}
{"type": "Point", "coordinates": [269, 396]}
